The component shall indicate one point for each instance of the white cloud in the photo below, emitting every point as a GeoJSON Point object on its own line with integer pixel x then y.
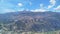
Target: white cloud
{"type": "Point", "coordinates": [21, 9]}
{"type": "Point", "coordinates": [41, 6]}
{"type": "Point", "coordinates": [20, 4]}
{"type": "Point", "coordinates": [41, 9]}
{"type": "Point", "coordinates": [7, 10]}
{"type": "Point", "coordinates": [50, 6]}
{"type": "Point", "coordinates": [57, 8]}
{"type": "Point", "coordinates": [52, 3]}
{"type": "Point", "coordinates": [38, 10]}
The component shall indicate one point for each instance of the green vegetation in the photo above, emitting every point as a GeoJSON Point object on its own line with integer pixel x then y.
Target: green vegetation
{"type": "Point", "coordinates": [12, 32]}
{"type": "Point", "coordinates": [30, 23]}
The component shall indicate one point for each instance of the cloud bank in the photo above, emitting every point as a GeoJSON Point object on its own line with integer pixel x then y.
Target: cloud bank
{"type": "Point", "coordinates": [52, 4]}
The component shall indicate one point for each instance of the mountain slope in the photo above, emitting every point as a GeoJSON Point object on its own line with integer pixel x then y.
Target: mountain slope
{"type": "Point", "coordinates": [30, 21]}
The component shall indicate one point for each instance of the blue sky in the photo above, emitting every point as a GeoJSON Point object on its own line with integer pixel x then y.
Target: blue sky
{"type": "Point", "coordinates": [32, 5]}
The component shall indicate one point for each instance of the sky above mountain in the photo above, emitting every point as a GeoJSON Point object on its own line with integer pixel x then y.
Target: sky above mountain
{"type": "Point", "coordinates": [32, 5]}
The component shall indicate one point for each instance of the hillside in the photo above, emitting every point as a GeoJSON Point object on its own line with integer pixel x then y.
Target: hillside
{"type": "Point", "coordinates": [30, 21]}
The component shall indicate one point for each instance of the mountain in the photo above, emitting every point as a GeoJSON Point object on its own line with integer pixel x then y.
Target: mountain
{"type": "Point", "coordinates": [30, 21]}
